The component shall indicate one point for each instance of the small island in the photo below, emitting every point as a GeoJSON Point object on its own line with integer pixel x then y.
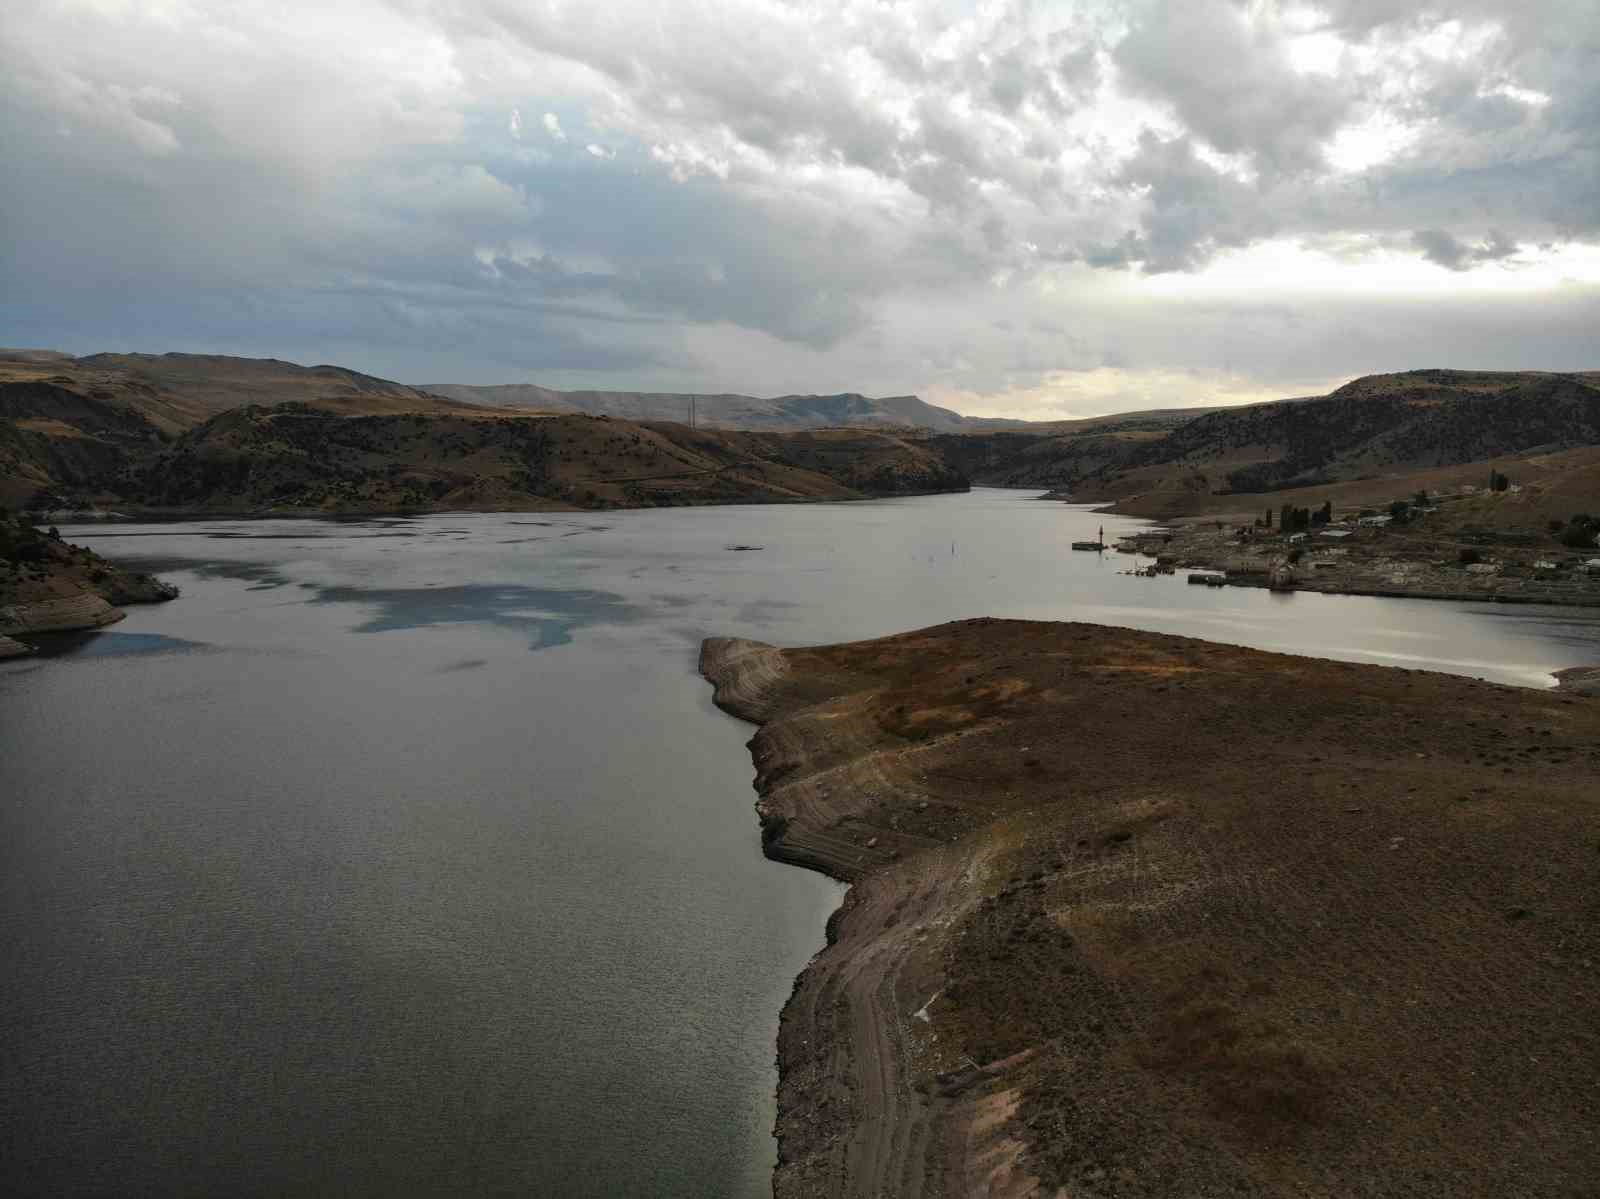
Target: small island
{"type": "Point", "coordinates": [1136, 914]}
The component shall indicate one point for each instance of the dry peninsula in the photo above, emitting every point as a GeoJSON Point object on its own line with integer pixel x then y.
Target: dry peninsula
{"type": "Point", "coordinates": [1138, 915]}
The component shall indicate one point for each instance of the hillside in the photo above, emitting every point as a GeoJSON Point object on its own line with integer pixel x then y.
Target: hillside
{"type": "Point", "coordinates": [1381, 427]}
{"type": "Point", "coordinates": [47, 585]}
{"type": "Point", "coordinates": [125, 428]}
{"type": "Point", "coordinates": [71, 425]}
{"type": "Point", "coordinates": [296, 457]}
{"type": "Point", "coordinates": [1057, 453]}
{"type": "Point", "coordinates": [184, 431]}
{"type": "Point", "coordinates": [1344, 946]}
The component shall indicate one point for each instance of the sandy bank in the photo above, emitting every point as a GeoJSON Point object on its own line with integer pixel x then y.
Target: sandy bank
{"type": "Point", "coordinates": [1133, 914]}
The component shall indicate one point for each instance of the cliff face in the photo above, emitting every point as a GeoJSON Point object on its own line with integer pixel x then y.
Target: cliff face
{"type": "Point", "coordinates": [1139, 915]}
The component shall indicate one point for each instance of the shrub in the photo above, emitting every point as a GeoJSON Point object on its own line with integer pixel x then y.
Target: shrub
{"type": "Point", "coordinates": [1469, 556]}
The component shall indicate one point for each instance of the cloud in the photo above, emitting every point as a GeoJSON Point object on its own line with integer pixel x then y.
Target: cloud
{"type": "Point", "coordinates": [775, 196]}
{"type": "Point", "coordinates": [1444, 249]}
{"type": "Point", "coordinates": [1227, 76]}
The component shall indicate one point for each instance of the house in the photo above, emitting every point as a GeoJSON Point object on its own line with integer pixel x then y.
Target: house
{"type": "Point", "coordinates": [1335, 533]}
{"type": "Point", "coordinates": [1375, 522]}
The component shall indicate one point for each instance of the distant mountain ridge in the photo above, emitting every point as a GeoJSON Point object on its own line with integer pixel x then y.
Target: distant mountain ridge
{"type": "Point", "coordinates": [216, 433]}
{"type": "Point", "coordinates": [727, 410]}
{"type": "Point", "coordinates": [117, 428]}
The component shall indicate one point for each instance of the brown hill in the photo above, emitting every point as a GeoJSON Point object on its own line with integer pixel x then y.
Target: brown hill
{"type": "Point", "coordinates": [70, 425]}
{"type": "Point", "coordinates": [1345, 945]}
{"type": "Point", "coordinates": [296, 457]}
{"type": "Point", "coordinates": [213, 383]}
{"type": "Point", "coordinates": [1375, 427]}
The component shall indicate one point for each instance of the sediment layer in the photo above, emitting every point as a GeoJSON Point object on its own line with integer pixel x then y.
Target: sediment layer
{"type": "Point", "coordinates": [1133, 914]}
{"type": "Point", "coordinates": [59, 615]}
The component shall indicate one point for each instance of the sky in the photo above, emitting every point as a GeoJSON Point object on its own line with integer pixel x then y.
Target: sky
{"type": "Point", "coordinates": [1038, 210]}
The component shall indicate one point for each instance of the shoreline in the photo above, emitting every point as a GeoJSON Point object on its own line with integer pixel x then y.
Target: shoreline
{"type": "Point", "coordinates": [48, 585]}
{"type": "Point", "coordinates": [848, 1121]}
{"type": "Point", "coordinates": [949, 1038]}
{"type": "Point", "coordinates": [135, 515]}
{"type": "Point", "coordinates": [1367, 562]}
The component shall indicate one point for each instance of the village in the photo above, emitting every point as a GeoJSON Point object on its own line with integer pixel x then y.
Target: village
{"type": "Point", "coordinates": [1426, 546]}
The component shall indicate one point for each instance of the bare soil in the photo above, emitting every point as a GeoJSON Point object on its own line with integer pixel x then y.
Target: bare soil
{"type": "Point", "coordinates": [1134, 914]}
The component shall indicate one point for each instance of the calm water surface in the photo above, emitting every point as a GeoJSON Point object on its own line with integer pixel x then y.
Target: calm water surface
{"type": "Point", "coordinates": [410, 856]}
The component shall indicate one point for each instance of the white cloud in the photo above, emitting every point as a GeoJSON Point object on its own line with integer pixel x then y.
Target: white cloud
{"type": "Point", "coordinates": [778, 196]}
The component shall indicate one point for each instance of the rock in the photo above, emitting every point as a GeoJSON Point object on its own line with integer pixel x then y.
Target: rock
{"type": "Point", "coordinates": [83, 611]}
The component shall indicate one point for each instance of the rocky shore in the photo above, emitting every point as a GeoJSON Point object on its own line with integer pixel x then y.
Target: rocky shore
{"type": "Point", "coordinates": [50, 586]}
{"type": "Point", "coordinates": [1343, 943]}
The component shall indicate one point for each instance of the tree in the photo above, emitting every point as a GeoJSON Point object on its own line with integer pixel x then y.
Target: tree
{"type": "Point", "coordinates": [1400, 511]}
{"type": "Point", "coordinates": [1580, 532]}
{"type": "Point", "coordinates": [1269, 518]}
{"type": "Point", "coordinates": [1497, 481]}
{"type": "Point", "coordinates": [1420, 499]}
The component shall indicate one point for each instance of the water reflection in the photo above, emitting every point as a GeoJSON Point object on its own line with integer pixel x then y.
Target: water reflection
{"type": "Point", "coordinates": [549, 616]}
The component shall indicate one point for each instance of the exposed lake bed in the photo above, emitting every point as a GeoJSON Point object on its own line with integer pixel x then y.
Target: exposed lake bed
{"type": "Point", "coordinates": [411, 850]}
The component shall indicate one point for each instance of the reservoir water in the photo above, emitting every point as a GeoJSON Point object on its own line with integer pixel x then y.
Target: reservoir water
{"type": "Point", "coordinates": [410, 856]}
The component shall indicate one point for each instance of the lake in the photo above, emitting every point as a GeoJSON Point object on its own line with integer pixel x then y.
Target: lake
{"type": "Point", "coordinates": [409, 855]}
